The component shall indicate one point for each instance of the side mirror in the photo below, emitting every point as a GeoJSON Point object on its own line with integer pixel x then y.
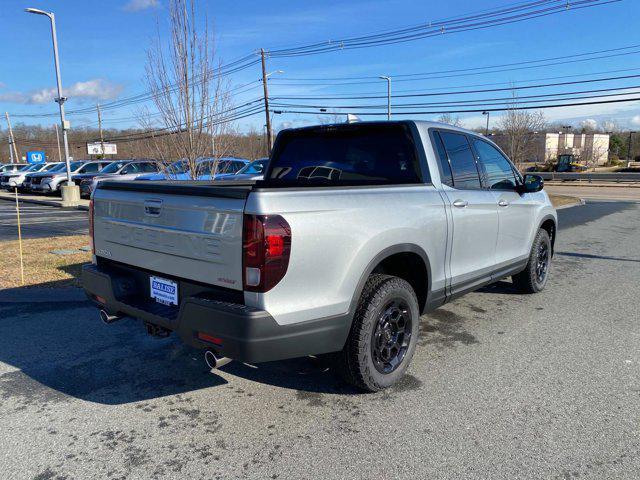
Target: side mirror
{"type": "Point", "coordinates": [532, 184]}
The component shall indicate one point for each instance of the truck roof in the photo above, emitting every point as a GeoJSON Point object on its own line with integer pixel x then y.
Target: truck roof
{"type": "Point", "coordinates": [420, 123]}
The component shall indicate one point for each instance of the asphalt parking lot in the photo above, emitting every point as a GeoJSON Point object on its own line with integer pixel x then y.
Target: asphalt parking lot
{"type": "Point", "coordinates": [502, 386]}
{"type": "Point", "coordinates": [40, 221]}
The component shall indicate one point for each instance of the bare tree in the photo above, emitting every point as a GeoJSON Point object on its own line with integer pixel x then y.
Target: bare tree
{"type": "Point", "coordinates": [190, 93]}
{"type": "Point", "coordinates": [519, 128]}
{"type": "Point", "coordinates": [450, 120]}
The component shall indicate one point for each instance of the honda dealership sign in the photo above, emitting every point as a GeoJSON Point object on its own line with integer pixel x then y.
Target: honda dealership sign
{"type": "Point", "coordinates": [36, 157]}
{"type": "Point", "coordinates": [96, 148]}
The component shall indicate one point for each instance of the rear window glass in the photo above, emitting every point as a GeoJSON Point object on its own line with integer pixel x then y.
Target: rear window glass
{"type": "Point", "coordinates": [346, 155]}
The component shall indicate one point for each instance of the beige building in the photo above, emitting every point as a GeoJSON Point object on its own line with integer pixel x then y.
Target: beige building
{"type": "Point", "coordinates": [589, 148]}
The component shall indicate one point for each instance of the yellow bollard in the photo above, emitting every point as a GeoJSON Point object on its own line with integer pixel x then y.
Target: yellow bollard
{"type": "Point", "coordinates": [19, 237]}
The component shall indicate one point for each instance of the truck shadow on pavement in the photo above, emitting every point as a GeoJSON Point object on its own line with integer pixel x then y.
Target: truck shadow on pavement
{"type": "Point", "coordinates": [596, 257]}
{"type": "Point", "coordinates": [61, 350]}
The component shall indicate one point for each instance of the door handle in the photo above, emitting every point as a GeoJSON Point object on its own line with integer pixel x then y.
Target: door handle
{"type": "Point", "coordinates": [460, 203]}
{"type": "Point", "coordinates": [503, 203]}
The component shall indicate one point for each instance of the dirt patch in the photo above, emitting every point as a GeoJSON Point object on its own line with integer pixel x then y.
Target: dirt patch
{"type": "Point", "coordinates": [41, 267]}
{"type": "Point", "coordinates": [561, 200]}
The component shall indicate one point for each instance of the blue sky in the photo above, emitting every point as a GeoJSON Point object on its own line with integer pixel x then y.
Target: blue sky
{"type": "Point", "coordinates": [103, 43]}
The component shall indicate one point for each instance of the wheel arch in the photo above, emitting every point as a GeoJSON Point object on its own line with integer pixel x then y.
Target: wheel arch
{"type": "Point", "coordinates": [549, 223]}
{"type": "Point", "coordinates": [392, 261]}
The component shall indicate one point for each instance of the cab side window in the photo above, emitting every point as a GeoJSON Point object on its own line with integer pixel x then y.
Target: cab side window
{"type": "Point", "coordinates": [498, 172]}
{"type": "Point", "coordinates": [149, 167]}
{"type": "Point", "coordinates": [131, 168]}
{"type": "Point", "coordinates": [90, 168]}
{"type": "Point", "coordinates": [462, 160]}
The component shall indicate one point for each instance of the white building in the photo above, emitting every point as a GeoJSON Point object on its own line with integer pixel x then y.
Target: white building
{"type": "Point", "coordinates": [589, 148]}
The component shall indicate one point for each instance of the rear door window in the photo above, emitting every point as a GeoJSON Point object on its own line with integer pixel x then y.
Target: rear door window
{"type": "Point", "coordinates": [462, 161]}
{"type": "Point", "coordinates": [357, 154]}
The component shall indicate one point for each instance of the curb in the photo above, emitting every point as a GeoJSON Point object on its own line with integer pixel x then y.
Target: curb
{"type": "Point", "coordinates": [583, 183]}
{"type": "Point", "coordinates": [42, 295]}
{"type": "Point", "coordinates": [50, 203]}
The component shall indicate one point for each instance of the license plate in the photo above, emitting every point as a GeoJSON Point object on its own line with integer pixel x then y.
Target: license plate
{"type": "Point", "coordinates": [164, 291]}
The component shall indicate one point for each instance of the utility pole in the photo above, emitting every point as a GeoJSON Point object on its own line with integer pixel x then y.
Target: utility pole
{"type": "Point", "coordinates": [100, 128]}
{"type": "Point", "coordinates": [58, 140]}
{"type": "Point", "coordinates": [388, 79]}
{"type": "Point", "coordinates": [266, 101]}
{"type": "Point", "coordinates": [486, 130]}
{"type": "Point", "coordinates": [13, 152]}
{"type": "Point", "coordinates": [629, 156]}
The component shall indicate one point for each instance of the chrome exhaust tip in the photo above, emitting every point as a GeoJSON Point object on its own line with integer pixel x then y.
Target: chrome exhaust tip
{"type": "Point", "coordinates": [213, 361]}
{"type": "Point", "coordinates": [106, 318]}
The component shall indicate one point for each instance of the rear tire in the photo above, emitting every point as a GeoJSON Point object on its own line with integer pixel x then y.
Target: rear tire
{"type": "Point", "coordinates": [534, 277]}
{"type": "Point", "coordinates": [383, 334]}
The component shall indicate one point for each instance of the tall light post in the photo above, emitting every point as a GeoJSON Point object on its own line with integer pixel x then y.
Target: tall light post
{"type": "Point", "coordinates": [388, 79]}
{"type": "Point", "coordinates": [486, 130]}
{"type": "Point", "coordinates": [71, 193]}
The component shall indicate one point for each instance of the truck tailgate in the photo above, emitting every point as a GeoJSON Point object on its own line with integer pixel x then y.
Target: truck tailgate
{"type": "Point", "coordinates": [190, 231]}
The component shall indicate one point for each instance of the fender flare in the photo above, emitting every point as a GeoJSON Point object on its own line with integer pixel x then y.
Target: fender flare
{"type": "Point", "coordinates": [555, 226]}
{"type": "Point", "coordinates": [387, 252]}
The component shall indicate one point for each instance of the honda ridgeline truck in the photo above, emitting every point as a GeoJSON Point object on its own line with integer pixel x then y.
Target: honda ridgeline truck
{"type": "Point", "coordinates": [354, 232]}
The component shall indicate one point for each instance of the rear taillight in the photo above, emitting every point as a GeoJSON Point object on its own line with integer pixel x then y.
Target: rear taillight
{"type": "Point", "coordinates": [93, 245]}
{"type": "Point", "coordinates": [266, 247]}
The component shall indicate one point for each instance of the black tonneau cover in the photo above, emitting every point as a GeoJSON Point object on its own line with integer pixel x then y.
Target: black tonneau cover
{"type": "Point", "coordinates": [202, 188]}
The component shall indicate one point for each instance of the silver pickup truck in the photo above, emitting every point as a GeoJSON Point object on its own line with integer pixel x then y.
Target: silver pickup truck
{"type": "Point", "coordinates": [355, 231]}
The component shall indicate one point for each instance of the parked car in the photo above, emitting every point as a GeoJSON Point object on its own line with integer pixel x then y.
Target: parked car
{"type": "Point", "coordinates": [253, 171]}
{"type": "Point", "coordinates": [11, 180]}
{"type": "Point", "coordinates": [26, 183]}
{"type": "Point", "coordinates": [35, 178]}
{"type": "Point", "coordinates": [11, 167]}
{"type": "Point", "coordinates": [207, 169]}
{"type": "Point", "coordinates": [355, 231]}
{"type": "Point", "coordinates": [50, 182]}
{"type": "Point", "coordinates": [119, 169]}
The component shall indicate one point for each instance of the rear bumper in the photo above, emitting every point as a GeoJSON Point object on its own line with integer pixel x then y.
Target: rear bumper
{"type": "Point", "coordinates": [246, 334]}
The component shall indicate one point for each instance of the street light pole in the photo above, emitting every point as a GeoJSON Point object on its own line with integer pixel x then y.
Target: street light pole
{"type": "Point", "coordinates": [60, 101]}
{"type": "Point", "coordinates": [486, 130]}
{"type": "Point", "coordinates": [58, 140]}
{"type": "Point", "coordinates": [388, 79]}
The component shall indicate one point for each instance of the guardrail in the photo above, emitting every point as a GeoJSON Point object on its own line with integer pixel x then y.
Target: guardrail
{"type": "Point", "coordinates": [590, 177]}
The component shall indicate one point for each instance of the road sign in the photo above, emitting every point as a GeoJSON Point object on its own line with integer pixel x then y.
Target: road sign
{"type": "Point", "coordinates": [96, 149]}
{"type": "Point", "coordinates": [36, 157]}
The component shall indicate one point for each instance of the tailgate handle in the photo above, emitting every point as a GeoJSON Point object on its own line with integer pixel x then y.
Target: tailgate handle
{"type": "Point", "coordinates": [152, 207]}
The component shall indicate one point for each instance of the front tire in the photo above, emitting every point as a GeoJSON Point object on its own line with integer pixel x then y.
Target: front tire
{"type": "Point", "coordinates": [534, 277]}
{"type": "Point", "coordinates": [383, 334]}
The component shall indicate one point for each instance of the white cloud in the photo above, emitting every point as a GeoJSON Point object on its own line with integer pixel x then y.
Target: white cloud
{"type": "Point", "coordinates": [589, 124]}
{"type": "Point", "coordinates": [96, 89]}
{"type": "Point", "coordinates": [635, 121]}
{"type": "Point", "coordinates": [138, 5]}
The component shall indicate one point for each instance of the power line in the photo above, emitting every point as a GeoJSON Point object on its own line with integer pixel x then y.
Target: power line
{"type": "Point", "coordinates": [467, 92]}
{"type": "Point", "coordinates": [342, 96]}
{"type": "Point", "coordinates": [479, 110]}
{"type": "Point", "coordinates": [483, 101]}
{"type": "Point", "coordinates": [495, 17]}
{"type": "Point", "coordinates": [472, 72]}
